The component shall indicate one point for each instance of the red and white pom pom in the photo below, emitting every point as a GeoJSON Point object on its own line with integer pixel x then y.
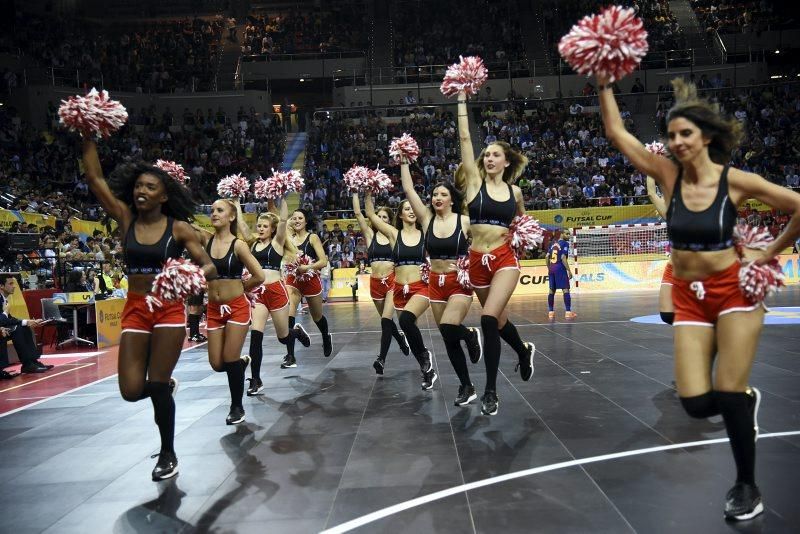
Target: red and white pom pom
{"type": "Point", "coordinates": [656, 148]}
{"type": "Point", "coordinates": [300, 259]}
{"type": "Point", "coordinates": [175, 170]}
{"type": "Point", "coordinates": [92, 115]}
{"type": "Point", "coordinates": [178, 279]}
{"type": "Point", "coordinates": [524, 233]}
{"type": "Point", "coordinates": [377, 181]}
{"type": "Point", "coordinates": [233, 186]}
{"type": "Point", "coordinates": [468, 75]}
{"type": "Point", "coordinates": [425, 270]}
{"type": "Point", "coordinates": [755, 237]}
{"type": "Point", "coordinates": [757, 282]}
{"type": "Point", "coordinates": [609, 44]}
{"type": "Point", "coordinates": [357, 178]}
{"type": "Point", "coordinates": [279, 184]}
{"type": "Point", "coordinates": [404, 147]}
{"type": "Point", "coordinates": [462, 272]}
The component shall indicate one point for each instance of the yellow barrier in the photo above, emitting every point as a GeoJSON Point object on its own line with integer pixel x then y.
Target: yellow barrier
{"type": "Point", "coordinates": [108, 317]}
{"type": "Point", "coordinates": [9, 217]}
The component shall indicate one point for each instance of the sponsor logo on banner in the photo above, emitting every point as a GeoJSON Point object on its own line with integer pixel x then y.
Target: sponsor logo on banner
{"type": "Point", "coordinates": [108, 315]}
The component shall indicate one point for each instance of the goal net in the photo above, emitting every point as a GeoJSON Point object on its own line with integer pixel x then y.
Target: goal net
{"type": "Point", "coordinates": [630, 242]}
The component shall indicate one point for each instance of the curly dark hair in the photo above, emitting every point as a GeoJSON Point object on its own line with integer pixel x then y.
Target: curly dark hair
{"type": "Point", "coordinates": [179, 205]}
{"type": "Point", "coordinates": [455, 194]}
{"type": "Point", "coordinates": [309, 218]}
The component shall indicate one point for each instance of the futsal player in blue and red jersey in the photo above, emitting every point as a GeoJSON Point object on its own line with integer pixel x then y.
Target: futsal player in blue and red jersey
{"type": "Point", "coordinates": [559, 274]}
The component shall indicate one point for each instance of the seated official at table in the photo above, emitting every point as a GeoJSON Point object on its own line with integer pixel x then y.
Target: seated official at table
{"type": "Point", "coordinates": [21, 334]}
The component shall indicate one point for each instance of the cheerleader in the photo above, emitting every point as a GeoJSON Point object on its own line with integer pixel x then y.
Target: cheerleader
{"type": "Point", "coordinates": [446, 242]}
{"type": "Point", "coordinates": [311, 288]}
{"type": "Point", "coordinates": [153, 213]}
{"type": "Point", "coordinates": [272, 297]}
{"type": "Point", "coordinates": [702, 192]}
{"type": "Point", "coordinates": [381, 282]}
{"type": "Point", "coordinates": [410, 296]}
{"type": "Point", "coordinates": [493, 266]}
{"type": "Point", "coordinates": [665, 307]}
{"type": "Point", "coordinates": [228, 313]}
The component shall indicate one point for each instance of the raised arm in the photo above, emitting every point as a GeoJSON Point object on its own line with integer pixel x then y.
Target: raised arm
{"type": "Point", "coordinates": [366, 231]}
{"type": "Point", "coordinates": [386, 229]}
{"type": "Point", "coordinates": [272, 208]}
{"type": "Point", "coordinates": [469, 175]}
{"type": "Point", "coordinates": [655, 198]}
{"type": "Point", "coordinates": [411, 194]}
{"type": "Point", "coordinates": [660, 168]}
{"type": "Point", "coordinates": [117, 209]}
{"type": "Point", "coordinates": [246, 233]}
{"type": "Point", "coordinates": [283, 216]}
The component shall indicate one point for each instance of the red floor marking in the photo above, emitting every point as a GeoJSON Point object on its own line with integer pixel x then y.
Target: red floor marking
{"type": "Point", "coordinates": [67, 375]}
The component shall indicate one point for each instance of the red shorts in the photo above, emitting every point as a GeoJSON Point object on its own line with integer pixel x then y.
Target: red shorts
{"type": "Point", "coordinates": [403, 293]}
{"type": "Point", "coordinates": [666, 279]}
{"type": "Point", "coordinates": [236, 311]}
{"type": "Point", "coordinates": [274, 296]}
{"type": "Point", "coordinates": [443, 286]}
{"type": "Point", "coordinates": [483, 266]}
{"type": "Point", "coordinates": [137, 317]}
{"type": "Point", "coordinates": [307, 288]}
{"type": "Point", "coordinates": [701, 302]}
{"type": "Point", "coordinates": [378, 287]}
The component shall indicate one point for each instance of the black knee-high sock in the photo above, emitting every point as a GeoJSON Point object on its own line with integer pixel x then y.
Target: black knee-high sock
{"type": "Point", "coordinates": [491, 350]}
{"type": "Point", "coordinates": [164, 409]}
{"type": "Point", "coordinates": [256, 353]}
{"type": "Point", "coordinates": [235, 372]}
{"type": "Point", "coordinates": [510, 335]}
{"type": "Point", "coordinates": [386, 336]}
{"type": "Point", "coordinates": [452, 336]}
{"type": "Point", "coordinates": [739, 424]}
{"type": "Point", "coordinates": [147, 391]}
{"type": "Point", "coordinates": [194, 324]}
{"type": "Point", "coordinates": [291, 338]}
{"type": "Point", "coordinates": [322, 324]}
{"type": "Point", "coordinates": [408, 322]}
{"type": "Point", "coordinates": [395, 331]}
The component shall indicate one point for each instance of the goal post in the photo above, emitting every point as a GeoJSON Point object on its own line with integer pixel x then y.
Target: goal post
{"type": "Point", "coordinates": [618, 243]}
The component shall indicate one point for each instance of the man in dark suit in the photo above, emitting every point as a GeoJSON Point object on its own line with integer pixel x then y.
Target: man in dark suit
{"type": "Point", "coordinates": [21, 334]}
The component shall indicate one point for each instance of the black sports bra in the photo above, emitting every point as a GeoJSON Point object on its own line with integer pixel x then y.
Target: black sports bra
{"type": "Point", "coordinates": [405, 255]}
{"type": "Point", "coordinates": [148, 259]}
{"type": "Point", "coordinates": [378, 252]}
{"type": "Point", "coordinates": [707, 230]}
{"type": "Point", "coordinates": [229, 266]}
{"type": "Point", "coordinates": [483, 209]}
{"type": "Point", "coordinates": [446, 248]}
{"type": "Point", "coordinates": [268, 257]}
{"type": "Point", "coordinates": [306, 248]}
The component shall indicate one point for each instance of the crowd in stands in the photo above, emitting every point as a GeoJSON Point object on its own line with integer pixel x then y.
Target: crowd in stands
{"type": "Point", "coordinates": [436, 33]}
{"type": "Point", "coordinates": [663, 31]}
{"type": "Point", "coordinates": [338, 28]}
{"type": "Point", "coordinates": [40, 169]}
{"type": "Point", "coordinates": [737, 16]}
{"type": "Point", "coordinates": [152, 57]}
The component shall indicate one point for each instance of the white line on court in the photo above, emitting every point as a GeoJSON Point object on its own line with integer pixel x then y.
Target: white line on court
{"type": "Point", "coordinates": [425, 499]}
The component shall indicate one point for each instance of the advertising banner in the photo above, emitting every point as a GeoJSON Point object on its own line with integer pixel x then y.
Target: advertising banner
{"type": "Point", "coordinates": [9, 217]}
{"type": "Point", "coordinates": [109, 321]}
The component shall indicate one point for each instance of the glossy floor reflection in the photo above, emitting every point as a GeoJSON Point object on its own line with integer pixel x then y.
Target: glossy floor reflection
{"type": "Point", "coordinates": [328, 442]}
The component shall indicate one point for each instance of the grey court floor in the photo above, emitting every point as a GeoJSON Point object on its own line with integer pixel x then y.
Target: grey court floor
{"type": "Point", "coordinates": [329, 442]}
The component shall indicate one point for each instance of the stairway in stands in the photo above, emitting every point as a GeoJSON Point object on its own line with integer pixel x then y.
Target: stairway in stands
{"type": "Point", "coordinates": [645, 119]}
{"type": "Point", "coordinates": [294, 157]}
{"type": "Point", "coordinates": [228, 60]}
{"type": "Point", "coordinates": [535, 36]}
{"type": "Point", "coordinates": [704, 53]}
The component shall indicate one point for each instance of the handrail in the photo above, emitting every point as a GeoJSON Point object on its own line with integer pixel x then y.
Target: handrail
{"type": "Point", "coordinates": [344, 54]}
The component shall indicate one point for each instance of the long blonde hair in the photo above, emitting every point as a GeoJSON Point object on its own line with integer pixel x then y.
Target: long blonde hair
{"type": "Point", "coordinates": [518, 161]}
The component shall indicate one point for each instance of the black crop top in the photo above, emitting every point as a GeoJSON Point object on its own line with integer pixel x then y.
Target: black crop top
{"type": "Point", "coordinates": [229, 266]}
{"type": "Point", "coordinates": [378, 252]}
{"type": "Point", "coordinates": [710, 229]}
{"type": "Point", "coordinates": [483, 209]}
{"type": "Point", "coordinates": [148, 259]}
{"type": "Point", "coordinates": [446, 248]}
{"type": "Point", "coordinates": [268, 257]}
{"type": "Point", "coordinates": [307, 248]}
{"type": "Point", "coordinates": [405, 255]}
